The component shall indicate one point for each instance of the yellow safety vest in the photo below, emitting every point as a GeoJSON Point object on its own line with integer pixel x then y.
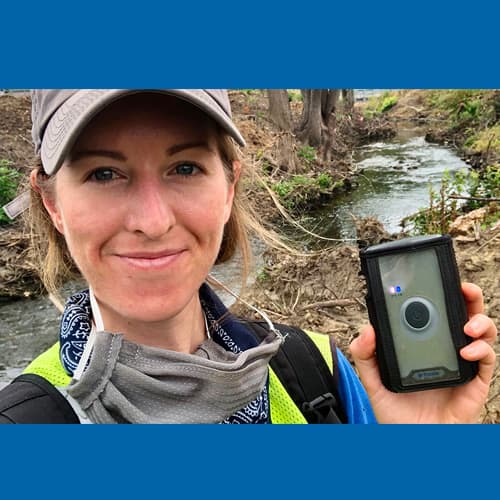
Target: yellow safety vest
{"type": "Point", "coordinates": [283, 408]}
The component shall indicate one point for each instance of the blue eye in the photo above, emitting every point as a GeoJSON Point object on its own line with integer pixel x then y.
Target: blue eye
{"type": "Point", "coordinates": [186, 169]}
{"type": "Point", "coordinates": [102, 175]}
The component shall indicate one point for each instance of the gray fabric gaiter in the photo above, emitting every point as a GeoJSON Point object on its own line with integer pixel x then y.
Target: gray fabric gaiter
{"type": "Point", "coordinates": [130, 383]}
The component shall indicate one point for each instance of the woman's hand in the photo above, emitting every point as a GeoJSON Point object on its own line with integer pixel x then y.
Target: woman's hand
{"type": "Point", "coordinates": [461, 404]}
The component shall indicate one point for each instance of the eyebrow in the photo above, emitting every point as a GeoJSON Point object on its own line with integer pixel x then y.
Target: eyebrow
{"type": "Point", "coordinates": [115, 155]}
{"type": "Point", "coordinates": [189, 145]}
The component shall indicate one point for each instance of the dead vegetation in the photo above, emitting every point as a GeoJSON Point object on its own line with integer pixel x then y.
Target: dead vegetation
{"type": "Point", "coordinates": [18, 277]}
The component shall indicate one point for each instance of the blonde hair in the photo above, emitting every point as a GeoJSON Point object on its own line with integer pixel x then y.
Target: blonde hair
{"type": "Point", "coordinates": [56, 266]}
{"type": "Point", "coordinates": [49, 251]}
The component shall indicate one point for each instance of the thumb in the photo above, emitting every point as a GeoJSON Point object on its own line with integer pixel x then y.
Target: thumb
{"type": "Point", "coordinates": [363, 352]}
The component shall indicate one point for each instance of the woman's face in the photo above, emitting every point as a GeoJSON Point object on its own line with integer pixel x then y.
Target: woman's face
{"type": "Point", "coordinates": [142, 201]}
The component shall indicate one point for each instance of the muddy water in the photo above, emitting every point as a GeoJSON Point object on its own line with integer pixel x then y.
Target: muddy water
{"type": "Point", "coordinates": [394, 183]}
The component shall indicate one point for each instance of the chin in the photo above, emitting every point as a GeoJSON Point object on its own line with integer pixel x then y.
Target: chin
{"type": "Point", "coordinates": [151, 308]}
{"type": "Point", "coordinates": [147, 302]}
{"type": "Point", "coordinates": [145, 315]}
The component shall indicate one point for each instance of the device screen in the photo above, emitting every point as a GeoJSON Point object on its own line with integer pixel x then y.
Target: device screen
{"type": "Point", "coordinates": [418, 320]}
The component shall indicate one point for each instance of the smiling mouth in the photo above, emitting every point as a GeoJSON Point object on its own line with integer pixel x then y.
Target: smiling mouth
{"type": "Point", "coordinates": [151, 261]}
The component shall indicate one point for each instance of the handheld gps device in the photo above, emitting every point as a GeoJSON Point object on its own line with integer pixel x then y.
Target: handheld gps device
{"type": "Point", "coordinates": [417, 309]}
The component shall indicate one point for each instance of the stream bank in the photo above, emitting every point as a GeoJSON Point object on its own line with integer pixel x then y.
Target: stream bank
{"type": "Point", "coordinates": [394, 180]}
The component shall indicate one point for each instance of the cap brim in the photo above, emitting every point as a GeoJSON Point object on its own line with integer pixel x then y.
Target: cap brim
{"type": "Point", "coordinates": [73, 115]}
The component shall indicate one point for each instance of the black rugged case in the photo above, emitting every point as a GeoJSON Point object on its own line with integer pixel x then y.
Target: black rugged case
{"type": "Point", "coordinates": [455, 306]}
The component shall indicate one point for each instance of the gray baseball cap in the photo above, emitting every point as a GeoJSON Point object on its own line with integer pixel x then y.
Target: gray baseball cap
{"type": "Point", "coordinates": [60, 115]}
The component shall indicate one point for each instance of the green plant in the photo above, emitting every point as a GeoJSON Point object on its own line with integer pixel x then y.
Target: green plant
{"type": "Point", "coordinates": [477, 188]}
{"type": "Point", "coordinates": [468, 111]}
{"type": "Point", "coordinates": [263, 276]}
{"type": "Point", "coordinates": [490, 220]}
{"type": "Point", "coordinates": [380, 104]}
{"type": "Point", "coordinates": [324, 181]}
{"type": "Point", "coordinates": [483, 185]}
{"type": "Point", "coordinates": [485, 141]}
{"type": "Point", "coordinates": [285, 187]}
{"type": "Point", "coordinates": [301, 190]}
{"type": "Point", "coordinates": [295, 95]}
{"type": "Point", "coordinates": [9, 180]}
{"type": "Point", "coordinates": [452, 100]}
{"type": "Point", "coordinates": [387, 103]}
{"type": "Point", "coordinates": [308, 154]}
{"type": "Point", "coordinates": [465, 107]}
{"type": "Point", "coordinates": [432, 220]}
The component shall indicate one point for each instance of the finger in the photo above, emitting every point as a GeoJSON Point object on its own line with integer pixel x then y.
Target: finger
{"type": "Point", "coordinates": [363, 346]}
{"type": "Point", "coordinates": [483, 353]}
{"type": "Point", "coordinates": [363, 352]}
{"type": "Point", "coordinates": [473, 296]}
{"type": "Point", "coordinates": [481, 326]}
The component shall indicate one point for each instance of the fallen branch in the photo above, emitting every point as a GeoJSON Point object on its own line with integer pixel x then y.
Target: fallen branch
{"type": "Point", "coordinates": [472, 198]}
{"type": "Point", "coordinates": [486, 244]}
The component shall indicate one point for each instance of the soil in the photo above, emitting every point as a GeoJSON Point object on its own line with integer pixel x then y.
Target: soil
{"type": "Point", "coordinates": [15, 132]}
{"type": "Point", "coordinates": [322, 292]}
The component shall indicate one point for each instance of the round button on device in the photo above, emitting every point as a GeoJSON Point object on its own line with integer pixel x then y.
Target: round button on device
{"type": "Point", "coordinates": [417, 315]}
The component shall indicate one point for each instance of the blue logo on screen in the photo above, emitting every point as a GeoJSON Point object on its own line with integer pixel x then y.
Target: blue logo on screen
{"type": "Point", "coordinates": [395, 290]}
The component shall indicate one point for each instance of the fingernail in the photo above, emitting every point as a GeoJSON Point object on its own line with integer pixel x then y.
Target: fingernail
{"type": "Point", "coordinates": [471, 350]}
{"type": "Point", "coordinates": [474, 325]}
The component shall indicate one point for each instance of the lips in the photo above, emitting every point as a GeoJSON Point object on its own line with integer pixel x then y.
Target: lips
{"type": "Point", "coordinates": [150, 260]}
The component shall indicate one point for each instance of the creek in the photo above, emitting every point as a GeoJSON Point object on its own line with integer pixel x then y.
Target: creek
{"type": "Point", "coordinates": [394, 183]}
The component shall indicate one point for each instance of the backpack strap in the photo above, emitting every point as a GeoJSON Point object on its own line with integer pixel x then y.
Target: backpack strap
{"type": "Point", "coordinates": [305, 375]}
{"type": "Point", "coordinates": [30, 399]}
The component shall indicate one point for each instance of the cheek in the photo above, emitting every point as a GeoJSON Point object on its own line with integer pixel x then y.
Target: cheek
{"type": "Point", "coordinates": [229, 201]}
{"type": "Point", "coordinates": [206, 223]}
{"type": "Point", "coordinates": [218, 211]}
{"type": "Point", "coordinates": [227, 212]}
{"type": "Point", "coordinates": [83, 229]}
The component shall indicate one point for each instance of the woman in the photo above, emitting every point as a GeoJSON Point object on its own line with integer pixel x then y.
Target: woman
{"type": "Point", "coordinates": [139, 191]}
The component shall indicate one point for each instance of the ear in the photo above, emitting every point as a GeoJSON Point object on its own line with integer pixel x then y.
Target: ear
{"type": "Point", "coordinates": [48, 201]}
{"type": "Point", "coordinates": [236, 171]}
{"type": "Point", "coordinates": [232, 188]}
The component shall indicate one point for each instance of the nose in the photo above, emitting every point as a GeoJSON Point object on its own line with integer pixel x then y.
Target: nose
{"type": "Point", "coordinates": [149, 210]}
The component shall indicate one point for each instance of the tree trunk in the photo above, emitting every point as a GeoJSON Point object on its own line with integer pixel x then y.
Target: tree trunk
{"type": "Point", "coordinates": [312, 121]}
{"type": "Point", "coordinates": [286, 154]}
{"type": "Point", "coordinates": [330, 117]}
{"type": "Point", "coordinates": [279, 109]}
{"type": "Point", "coordinates": [318, 120]}
{"type": "Point", "coordinates": [348, 101]}
{"type": "Point", "coordinates": [279, 112]}
{"type": "Point", "coordinates": [317, 125]}
{"type": "Point", "coordinates": [330, 98]}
